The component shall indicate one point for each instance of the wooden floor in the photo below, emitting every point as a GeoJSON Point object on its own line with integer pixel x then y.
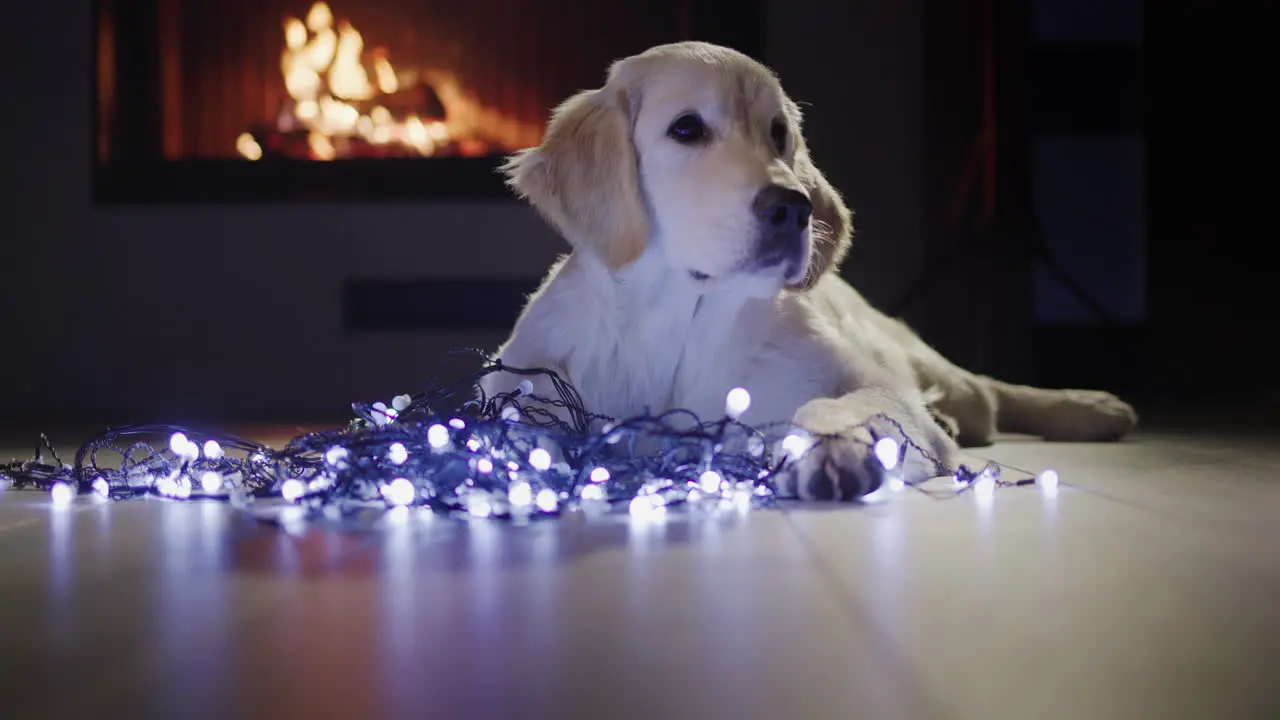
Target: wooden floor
{"type": "Point", "coordinates": [1149, 587]}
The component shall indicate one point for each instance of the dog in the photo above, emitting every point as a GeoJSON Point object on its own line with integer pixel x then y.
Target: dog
{"type": "Point", "coordinates": [704, 243]}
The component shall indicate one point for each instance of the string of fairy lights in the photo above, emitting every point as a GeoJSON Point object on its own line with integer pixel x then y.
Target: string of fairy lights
{"type": "Point", "coordinates": [514, 456]}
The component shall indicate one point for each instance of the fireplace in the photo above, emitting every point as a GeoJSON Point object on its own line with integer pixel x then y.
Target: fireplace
{"type": "Point", "coordinates": [361, 100]}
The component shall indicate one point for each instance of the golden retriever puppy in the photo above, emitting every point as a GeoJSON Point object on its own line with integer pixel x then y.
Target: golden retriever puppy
{"type": "Point", "coordinates": [704, 241]}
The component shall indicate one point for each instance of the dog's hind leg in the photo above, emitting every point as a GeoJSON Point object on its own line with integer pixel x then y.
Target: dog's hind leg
{"type": "Point", "coordinates": [980, 406]}
{"type": "Point", "coordinates": [963, 399]}
{"type": "Point", "coordinates": [1061, 415]}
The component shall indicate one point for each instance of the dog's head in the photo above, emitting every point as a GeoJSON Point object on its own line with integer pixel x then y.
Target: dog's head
{"type": "Point", "coordinates": [694, 148]}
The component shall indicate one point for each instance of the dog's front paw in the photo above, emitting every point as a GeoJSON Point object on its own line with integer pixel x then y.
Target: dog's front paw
{"type": "Point", "coordinates": [840, 468]}
{"type": "Point", "coordinates": [839, 459]}
{"type": "Point", "coordinates": [1088, 415]}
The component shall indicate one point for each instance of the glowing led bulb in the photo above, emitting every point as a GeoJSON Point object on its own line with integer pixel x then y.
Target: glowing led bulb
{"type": "Point", "coordinates": [540, 459]}
{"type": "Point", "coordinates": [737, 402]}
{"type": "Point", "coordinates": [710, 482]}
{"type": "Point", "coordinates": [167, 485]}
{"type": "Point", "coordinates": [608, 432]}
{"type": "Point", "coordinates": [438, 436]}
{"type": "Point", "coordinates": [213, 450]}
{"type": "Point", "coordinates": [211, 481]}
{"type": "Point", "coordinates": [61, 494]}
{"type": "Point", "coordinates": [645, 506]}
{"type": "Point", "coordinates": [383, 415]}
{"type": "Point", "coordinates": [592, 492]}
{"type": "Point", "coordinates": [640, 507]}
{"type": "Point", "coordinates": [520, 495]}
{"type": "Point", "coordinates": [102, 487]}
{"type": "Point", "coordinates": [985, 485]}
{"type": "Point", "coordinates": [795, 445]}
{"type": "Point", "coordinates": [397, 454]}
{"type": "Point", "coordinates": [484, 465]}
{"type": "Point", "coordinates": [478, 505]}
{"type": "Point", "coordinates": [547, 500]}
{"type": "Point", "coordinates": [182, 447]}
{"type": "Point", "coordinates": [510, 413]}
{"type": "Point", "coordinates": [292, 489]}
{"type": "Point", "coordinates": [400, 492]}
{"type": "Point", "coordinates": [599, 475]}
{"type": "Point", "coordinates": [1048, 480]}
{"type": "Point", "coordinates": [336, 456]}
{"type": "Point", "coordinates": [886, 450]}
{"type": "Point", "coordinates": [473, 444]}
{"type": "Point", "coordinates": [400, 402]}
{"type": "Point", "coordinates": [525, 387]}
{"type": "Point", "coordinates": [457, 423]}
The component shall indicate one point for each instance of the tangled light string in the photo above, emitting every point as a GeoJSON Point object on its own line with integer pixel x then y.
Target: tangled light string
{"type": "Point", "coordinates": [508, 456]}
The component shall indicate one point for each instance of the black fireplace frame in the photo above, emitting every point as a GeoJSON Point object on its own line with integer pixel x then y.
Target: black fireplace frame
{"type": "Point", "coordinates": [138, 174]}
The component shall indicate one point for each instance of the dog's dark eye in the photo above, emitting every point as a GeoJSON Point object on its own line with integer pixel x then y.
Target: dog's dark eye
{"type": "Point", "coordinates": [778, 133]}
{"type": "Point", "coordinates": [688, 130]}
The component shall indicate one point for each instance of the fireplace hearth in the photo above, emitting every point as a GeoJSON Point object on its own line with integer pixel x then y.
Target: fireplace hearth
{"type": "Point", "coordinates": [354, 100]}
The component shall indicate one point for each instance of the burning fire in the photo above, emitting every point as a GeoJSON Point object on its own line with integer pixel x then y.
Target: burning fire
{"type": "Point", "coordinates": [344, 110]}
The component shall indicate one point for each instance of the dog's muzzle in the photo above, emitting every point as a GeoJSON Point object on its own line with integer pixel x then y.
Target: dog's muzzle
{"type": "Point", "coordinates": [783, 217]}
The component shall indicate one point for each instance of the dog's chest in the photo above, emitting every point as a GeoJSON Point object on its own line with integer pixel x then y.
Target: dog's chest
{"type": "Point", "coordinates": [693, 366]}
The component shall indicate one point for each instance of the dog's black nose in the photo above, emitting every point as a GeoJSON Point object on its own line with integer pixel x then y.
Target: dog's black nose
{"type": "Point", "coordinates": [782, 208]}
{"type": "Point", "coordinates": [784, 218]}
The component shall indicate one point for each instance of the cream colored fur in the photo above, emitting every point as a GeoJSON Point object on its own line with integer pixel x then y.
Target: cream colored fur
{"type": "Point", "coordinates": [659, 307]}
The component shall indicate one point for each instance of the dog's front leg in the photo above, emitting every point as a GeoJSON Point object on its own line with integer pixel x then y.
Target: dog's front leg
{"type": "Point", "coordinates": [842, 464]}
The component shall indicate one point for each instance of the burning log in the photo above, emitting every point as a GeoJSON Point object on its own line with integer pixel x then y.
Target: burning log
{"type": "Point", "coordinates": [419, 99]}
{"type": "Point", "coordinates": [343, 103]}
{"type": "Point", "coordinates": [303, 144]}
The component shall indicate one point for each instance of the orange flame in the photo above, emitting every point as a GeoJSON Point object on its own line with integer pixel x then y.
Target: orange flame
{"type": "Point", "coordinates": [331, 89]}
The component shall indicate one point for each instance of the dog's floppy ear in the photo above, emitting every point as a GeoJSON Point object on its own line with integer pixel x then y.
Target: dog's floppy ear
{"type": "Point", "coordinates": [832, 220]}
{"type": "Point", "coordinates": [583, 177]}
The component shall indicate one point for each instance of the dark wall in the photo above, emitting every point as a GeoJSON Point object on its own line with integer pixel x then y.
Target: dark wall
{"type": "Point", "coordinates": [858, 67]}
{"type": "Point", "coordinates": [120, 313]}
{"type": "Point", "coordinates": [1088, 161]}
{"type": "Point", "coordinates": [1088, 150]}
{"type": "Point", "coordinates": [972, 302]}
{"type": "Point", "coordinates": [1213, 303]}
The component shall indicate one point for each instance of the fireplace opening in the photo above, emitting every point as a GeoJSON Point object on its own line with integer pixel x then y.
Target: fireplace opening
{"type": "Point", "coordinates": [280, 100]}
